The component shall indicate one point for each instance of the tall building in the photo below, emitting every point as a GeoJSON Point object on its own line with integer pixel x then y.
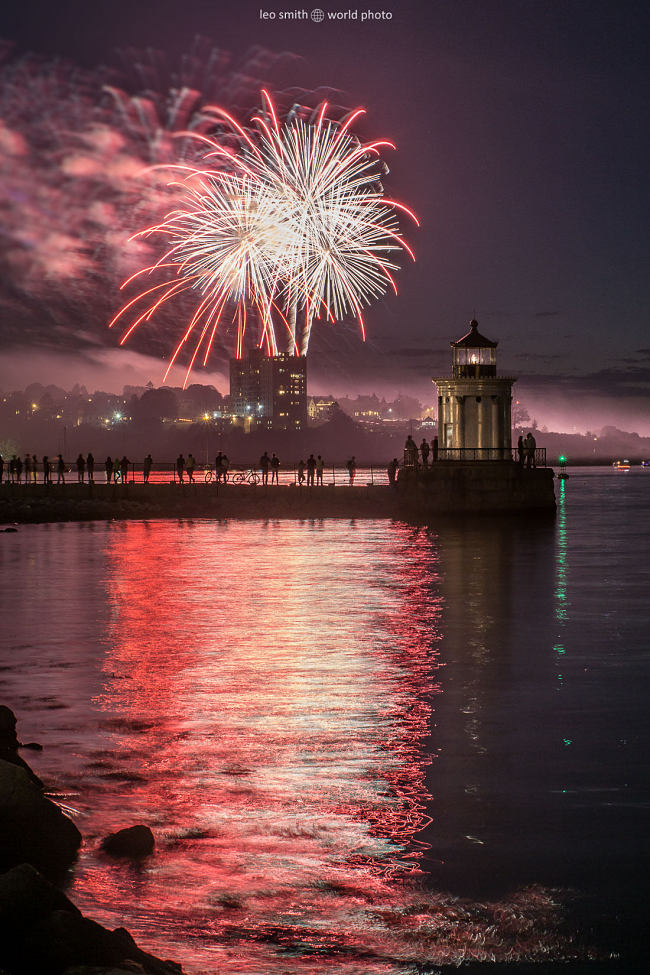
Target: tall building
{"type": "Point", "coordinates": [270, 391]}
{"type": "Point", "coordinates": [474, 405]}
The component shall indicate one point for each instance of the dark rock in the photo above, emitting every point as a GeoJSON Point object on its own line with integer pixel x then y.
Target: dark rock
{"type": "Point", "coordinates": [42, 931]}
{"type": "Point", "coordinates": [8, 736]}
{"type": "Point", "coordinates": [135, 841]}
{"type": "Point", "coordinates": [26, 897]}
{"type": "Point", "coordinates": [32, 828]}
{"type": "Point", "coordinates": [9, 744]}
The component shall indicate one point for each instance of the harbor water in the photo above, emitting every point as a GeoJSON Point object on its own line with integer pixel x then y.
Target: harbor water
{"type": "Point", "coordinates": [362, 746]}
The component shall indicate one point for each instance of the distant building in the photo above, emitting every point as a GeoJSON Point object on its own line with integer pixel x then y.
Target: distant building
{"type": "Point", "coordinates": [474, 406]}
{"type": "Point", "coordinates": [269, 391]}
{"type": "Point", "coordinates": [321, 408]}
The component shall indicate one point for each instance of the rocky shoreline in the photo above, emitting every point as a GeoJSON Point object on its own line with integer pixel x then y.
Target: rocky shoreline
{"type": "Point", "coordinates": [41, 930]}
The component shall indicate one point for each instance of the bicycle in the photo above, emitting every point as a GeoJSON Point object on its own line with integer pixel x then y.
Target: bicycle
{"type": "Point", "coordinates": [246, 477]}
{"type": "Point", "coordinates": [208, 476]}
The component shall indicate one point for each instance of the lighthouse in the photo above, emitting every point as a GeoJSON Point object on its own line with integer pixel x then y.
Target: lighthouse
{"type": "Point", "coordinates": [474, 405]}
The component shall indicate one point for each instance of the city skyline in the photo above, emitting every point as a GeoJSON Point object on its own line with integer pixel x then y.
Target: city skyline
{"type": "Point", "coordinates": [520, 143]}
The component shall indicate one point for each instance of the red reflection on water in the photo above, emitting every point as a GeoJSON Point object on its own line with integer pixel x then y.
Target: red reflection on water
{"type": "Point", "coordinates": [268, 695]}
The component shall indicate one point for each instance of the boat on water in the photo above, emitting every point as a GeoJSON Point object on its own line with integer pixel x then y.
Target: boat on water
{"type": "Point", "coordinates": [621, 465]}
{"type": "Point", "coordinates": [645, 463]}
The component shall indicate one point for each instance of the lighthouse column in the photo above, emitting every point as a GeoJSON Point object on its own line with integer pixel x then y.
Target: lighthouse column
{"type": "Point", "coordinates": [496, 439]}
{"type": "Point", "coordinates": [459, 424]}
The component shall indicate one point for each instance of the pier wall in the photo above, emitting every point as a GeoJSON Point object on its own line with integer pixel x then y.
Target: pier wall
{"type": "Point", "coordinates": [461, 488]}
{"type": "Point", "coordinates": [482, 486]}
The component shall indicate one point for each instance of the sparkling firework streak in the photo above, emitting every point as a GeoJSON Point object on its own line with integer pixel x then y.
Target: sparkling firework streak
{"type": "Point", "coordinates": [291, 224]}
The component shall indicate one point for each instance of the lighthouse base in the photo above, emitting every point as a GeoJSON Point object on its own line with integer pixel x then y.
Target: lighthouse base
{"type": "Point", "coordinates": [478, 487]}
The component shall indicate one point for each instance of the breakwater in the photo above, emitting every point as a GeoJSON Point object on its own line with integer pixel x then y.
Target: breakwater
{"type": "Point", "coordinates": [455, 488]}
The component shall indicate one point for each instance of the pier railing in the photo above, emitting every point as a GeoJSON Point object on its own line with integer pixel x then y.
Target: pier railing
{"type": "Point", "coordinates": [366, 475]}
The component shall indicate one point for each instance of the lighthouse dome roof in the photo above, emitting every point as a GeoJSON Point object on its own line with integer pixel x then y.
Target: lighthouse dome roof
{"type": "Point", "coordinates": [473, 339]}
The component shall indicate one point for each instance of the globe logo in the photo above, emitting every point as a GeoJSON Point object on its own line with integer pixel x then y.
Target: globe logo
{"type": "Point", "coordinates": [317, 15]}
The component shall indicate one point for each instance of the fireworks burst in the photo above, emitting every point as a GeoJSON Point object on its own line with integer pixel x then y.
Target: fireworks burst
{"type": "Point", "coordinates": [290, 222]}
{"type": "Point", "coordinates": [73, 144]}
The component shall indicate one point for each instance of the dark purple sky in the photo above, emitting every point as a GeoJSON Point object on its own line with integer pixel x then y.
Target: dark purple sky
{"type": "Point", "coordinates": [523, 146]}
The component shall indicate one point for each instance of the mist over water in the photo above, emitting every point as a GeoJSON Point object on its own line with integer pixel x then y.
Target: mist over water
{"type": "Point", "coordinates": [361, 746]}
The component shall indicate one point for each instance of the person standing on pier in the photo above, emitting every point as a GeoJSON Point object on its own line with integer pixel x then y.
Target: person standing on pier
{"type": "Point", "coordinates": [434, 450]}
{"type": "Point", "coordinates": [530, 445]}
{"type": "Point", "coordinates": [180, 467]}
{"type": "Point", "coordinates": [411, 452]}
{"type": "Point", "coordinates": [34, 469]}
{"type": "Point", "coordinates": [424, 451]}
{"type": "Point", "coordinates": [60, 470]}
{"type": "Point", "coordinates": [520, 451]}
{"type": "Point", "coordinates": [264, 467]}
{"type": "Point", "coordinates": [392, 471]}
{"type": "Point", "coordinates": [108, 467]}
{"type": "Point", "coordinates": [47, 471]}
{"type": "Point", "coordinates": [124, 468]}
{"type": "Point", "coordinates": [301, 471]}
{"type": "Point", "coordinates": [81, 468]}
{"type": "Point", "coordinates": [189, 467]}
{"type": "Point", "coordinates": [352, 469]}
{"type": "Point", "coordinates": [90, 468]}
{"type": "Point", "coordinates": [275, 469]}
{"type": "Point", "coordinates": [311, 468]}
{"type": "Point", "coordinates": [320, 467]}
{"type": "Point", "coordinates": [28, 468]}
{"type": "Point", "coordinates": [146, 468]}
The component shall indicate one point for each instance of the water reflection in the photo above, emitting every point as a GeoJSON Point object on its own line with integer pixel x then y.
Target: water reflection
{"type": "Point", "coordinates": [490, 780]}
{"type": "Point", "coordinates": [268, 702]}
{"type": "Point", "coordinates": [325, 724]}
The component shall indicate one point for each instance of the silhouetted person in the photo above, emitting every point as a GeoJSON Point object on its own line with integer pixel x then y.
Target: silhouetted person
{"type": "Point", "coordinates": [352, 469]}
{"type": "Point", "coordinates": [146, 468]}
{"type": "Point", "coordinates": [265, 462]}
{"type": "Point", "coordinates": [320, 467]}
{"type": "Point", "coordinates": [60, 470]}
{"type": "Point", "coordinates": [434, 450]}
{"type": "Point", "coordinates": [47, 471]}
{"type": "Point", "coordinates": [12, 469]}
{"type": "Point", "coordinates": [180, 467]}
{"type": "Point", "coordinates": [301, 471]}
{"type": "Point", "coordinates": [81, 468]}
{"type": "Point", "coordinates": [34, 469]}
{"type": "Point", "coordinates": [90, 468]}
{"type": "Point", "coordinates": [311, 470]}
{"type": "Point", "coordinates": [521, 450]}
{"type": "Point", "coordinates": [28, 468]}
{"type": "Point", "coordinates": [108, 467]}
{"type": "Point", "coordinates": [275, 469]}
{"type": "Point", "coordinates": [392, 471]}
{"type": "Point", "coordinates": [189, 467]}
{"type": "Point", "coordinates": [411, 452]}
{"type": "Point", "coordinates": [424, 452]}
{"type": "Point", "coordinates": [529, 446]}
{"type": "Point", "coordinates": [225, 464]}
{"type": "Point", "coordinates": [217, 466]}
{"type": "Point", "coordinates": [124, 468]}
{"type": "Point", "coordinates": [19, 470]}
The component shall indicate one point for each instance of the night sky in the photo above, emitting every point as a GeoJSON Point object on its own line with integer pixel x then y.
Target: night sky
{"type": "Point", "coordinates": [523, 147]}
